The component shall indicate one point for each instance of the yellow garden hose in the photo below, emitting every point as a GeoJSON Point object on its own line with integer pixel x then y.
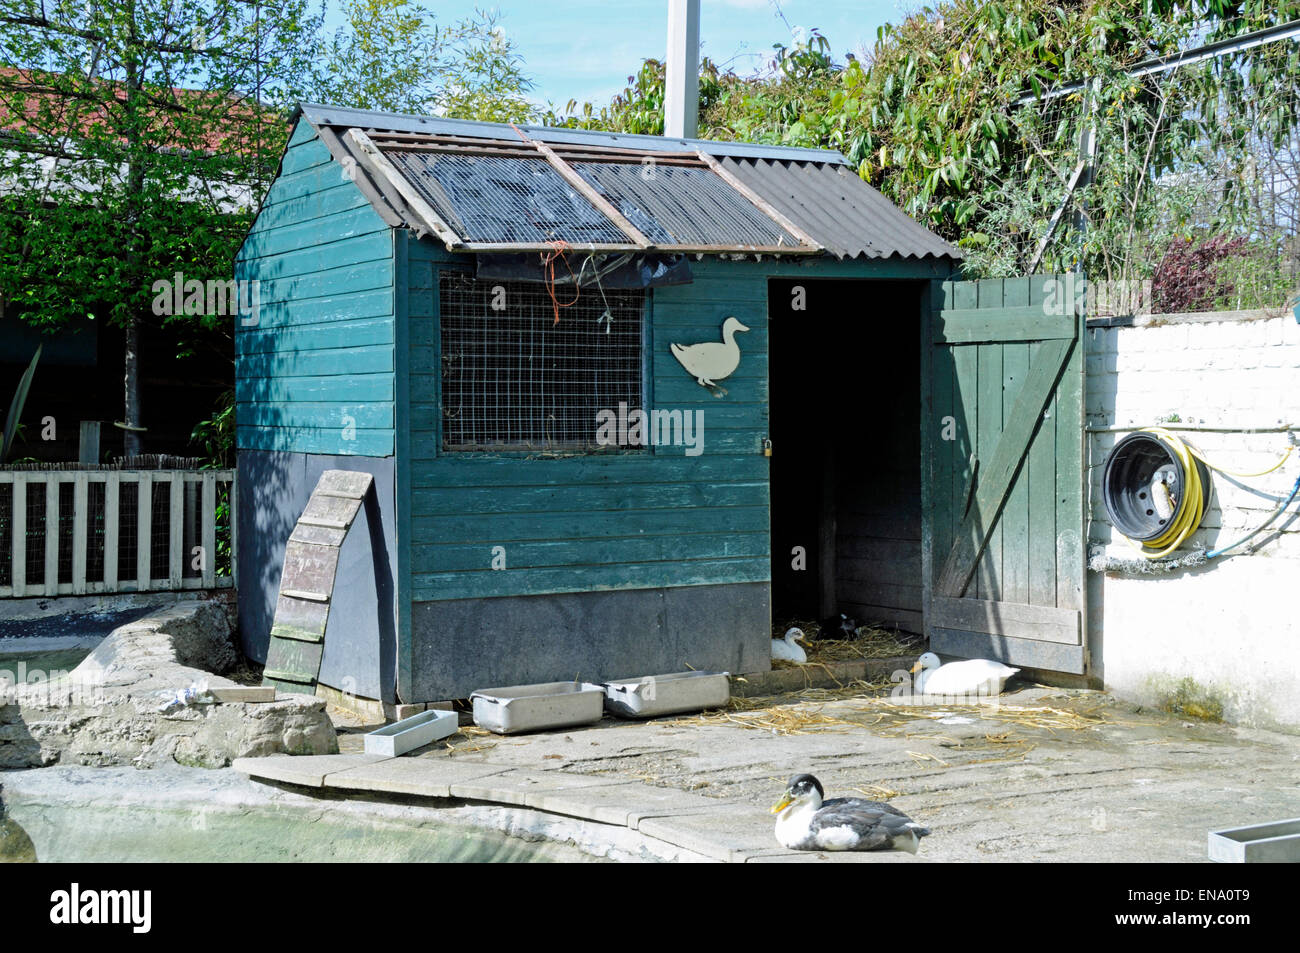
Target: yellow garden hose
{"type": "Point", "coordinates": [1186, 520]}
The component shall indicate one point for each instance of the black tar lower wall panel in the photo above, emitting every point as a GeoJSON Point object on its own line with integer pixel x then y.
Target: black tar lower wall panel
{"type": "Point", "coordinates": [463, 645]}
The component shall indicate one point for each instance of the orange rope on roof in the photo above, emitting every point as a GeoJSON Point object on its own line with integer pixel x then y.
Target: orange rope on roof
{"type": "Point", "coordinates": [558, 248]}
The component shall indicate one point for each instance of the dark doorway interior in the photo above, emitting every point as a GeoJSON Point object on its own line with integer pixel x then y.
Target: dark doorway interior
{"type": "Point", "coordinates": [845, 395]}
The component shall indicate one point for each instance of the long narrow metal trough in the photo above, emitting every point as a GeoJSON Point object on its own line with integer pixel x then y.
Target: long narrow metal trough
{"type": "Point", "coordinates": [548, 705]}
{"type": "Point", "coordinates": [672, 694]}
{"type": "Point", "coordinates": [1277, 842]}
{"type": "Point", "coordinates": [411, 733]}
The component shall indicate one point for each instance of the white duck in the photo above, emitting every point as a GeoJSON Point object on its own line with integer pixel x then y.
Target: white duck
{"type": "Point", "coordinates": [786, 648]}
{"type": "Point", "coordinates": [711, 361]}
{"type": "Point", "coordinates": [978, 676]}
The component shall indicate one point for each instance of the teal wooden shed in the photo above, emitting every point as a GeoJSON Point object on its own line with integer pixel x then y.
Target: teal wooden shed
{"type": "Point", "coordinates": [524, 335]}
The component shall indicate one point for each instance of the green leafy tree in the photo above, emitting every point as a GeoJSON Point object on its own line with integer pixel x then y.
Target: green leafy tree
{"type": "Point", "coordinates": [790, 103]}
{"type": "Point", "coordinates": [935, 116]}
{"type": "Point", "coordinates": [392, 55]}
{"type": "Point", "coordinates": [136, 148]}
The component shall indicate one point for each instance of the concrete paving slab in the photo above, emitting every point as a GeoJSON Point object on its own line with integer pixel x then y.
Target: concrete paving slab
{"type": "Point", "coordinates": [835, 857]}
{"type": "Point", "coordinates": [307, 770]}
{"type": "Point", "coordinates": [730, 835]}
{"type": "Point", "coordinates": [520, 787]}
{"type": "Point", "coordinates": [624, 803]}
{"type": "Point", "coordinates": [425, 777]}
{"type": "Point", "coordinates": [86, 815]}
{"type": "Point", "coordinates": [591, 749]}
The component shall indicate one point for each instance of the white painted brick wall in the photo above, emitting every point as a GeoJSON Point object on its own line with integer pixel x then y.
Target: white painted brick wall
{"type": "Point", "coordinates": [1219, 624]}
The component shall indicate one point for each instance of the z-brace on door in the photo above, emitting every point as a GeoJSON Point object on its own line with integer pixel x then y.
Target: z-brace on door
{"type": "Point", "coordinates": [1002, 472]}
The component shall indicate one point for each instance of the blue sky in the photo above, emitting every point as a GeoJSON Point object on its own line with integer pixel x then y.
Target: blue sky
{"type": "Point", "coordinates": [586, 49]}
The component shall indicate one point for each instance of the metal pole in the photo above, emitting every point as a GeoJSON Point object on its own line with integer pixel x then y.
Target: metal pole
{"type": "Point", "coordinates": [1162, 64]}
{"type": "Point", "coordinates": [682, 80]}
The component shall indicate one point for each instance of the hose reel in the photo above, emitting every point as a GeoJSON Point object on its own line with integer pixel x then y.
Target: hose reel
{"type": "Point", "coordinates": [1155, 490]}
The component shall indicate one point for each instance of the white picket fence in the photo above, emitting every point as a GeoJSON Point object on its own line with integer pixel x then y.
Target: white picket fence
{"type": "Point", "coordinates": [113, 531]}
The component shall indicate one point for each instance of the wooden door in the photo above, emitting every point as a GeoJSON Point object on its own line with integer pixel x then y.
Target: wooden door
{"type": "Point", "coordinates": [1002, 472]}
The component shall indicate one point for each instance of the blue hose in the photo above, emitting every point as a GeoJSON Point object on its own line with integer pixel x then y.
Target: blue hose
{"type": "Point", "coordinates": [1262, 526]}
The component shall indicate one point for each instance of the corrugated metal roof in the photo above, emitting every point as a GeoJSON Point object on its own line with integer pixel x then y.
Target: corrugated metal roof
{"type": "Point", "coordinates": [687, 206]}
{"type": "Point", "coordinates": [833, 205]}
{"type": "Point", "coordinates": [319, 115]}
{"type": "Point", "coordinates": [815, 190]}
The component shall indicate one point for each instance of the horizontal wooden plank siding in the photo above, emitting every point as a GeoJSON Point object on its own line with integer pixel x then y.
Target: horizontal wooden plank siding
{"type": "Point", "coordinates": [315, 366]}
{"type": "Point", "coordinates": [1026, 323]}
{"type": "Point", "coordinates": [434, 587]}
{"type": "Point", "coordinates": [513, 527]}
{"type": "Point", "coordinates": [1009, 618]}
{"type": "Point", "coordinates": [631, 519]}
{"type": "Point", "coordinates": [1022, 653]}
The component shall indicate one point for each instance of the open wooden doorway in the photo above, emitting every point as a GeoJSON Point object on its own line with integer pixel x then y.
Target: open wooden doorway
{"type": "Point", "coordinates": [846, 465]}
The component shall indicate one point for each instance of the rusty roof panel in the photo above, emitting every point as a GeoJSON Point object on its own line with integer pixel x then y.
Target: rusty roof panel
{"type": "Point", "coordinates": [840, 211]}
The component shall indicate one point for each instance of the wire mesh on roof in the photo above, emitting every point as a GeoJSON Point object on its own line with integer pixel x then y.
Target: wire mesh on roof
{"type": "Point", "coordinates": [505, 199]}
{"type": "Point", "coordinates": [681, 205]}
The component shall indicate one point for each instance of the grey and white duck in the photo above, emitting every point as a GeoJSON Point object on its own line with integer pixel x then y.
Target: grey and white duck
{"type": "Point", "coordinates": [807, 822]}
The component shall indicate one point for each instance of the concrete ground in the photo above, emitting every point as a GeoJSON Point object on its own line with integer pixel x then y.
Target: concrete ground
{"type": "Point", "coordinates": [1045, 775]}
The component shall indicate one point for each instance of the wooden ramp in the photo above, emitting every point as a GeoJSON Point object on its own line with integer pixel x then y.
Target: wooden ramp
{"type": "Point", "coordinates": [311, 560]}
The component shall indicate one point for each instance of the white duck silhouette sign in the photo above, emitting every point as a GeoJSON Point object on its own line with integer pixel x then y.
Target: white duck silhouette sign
{"type": "Point", "coordinates": [712, 360]}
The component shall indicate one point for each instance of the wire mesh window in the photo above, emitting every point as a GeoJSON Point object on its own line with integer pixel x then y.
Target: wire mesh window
{"type": "Point", "coordinates": [514, 379]}
{"type": "Point", "coordinates": [67, 521]}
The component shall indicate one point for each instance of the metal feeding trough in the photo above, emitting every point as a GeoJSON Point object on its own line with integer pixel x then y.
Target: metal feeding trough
{"type": "Point", "coordinates": [667, 694]}
{"type": "Point", "coordinates": [1277, 842]}
{"type": "Point", "coordinates": [518, 708]}
{"type": "Point", "coordinates": [411, 733]}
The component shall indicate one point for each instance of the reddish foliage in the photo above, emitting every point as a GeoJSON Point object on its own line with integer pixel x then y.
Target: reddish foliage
{"type": "Point", "coordinates": [1187, 278]}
